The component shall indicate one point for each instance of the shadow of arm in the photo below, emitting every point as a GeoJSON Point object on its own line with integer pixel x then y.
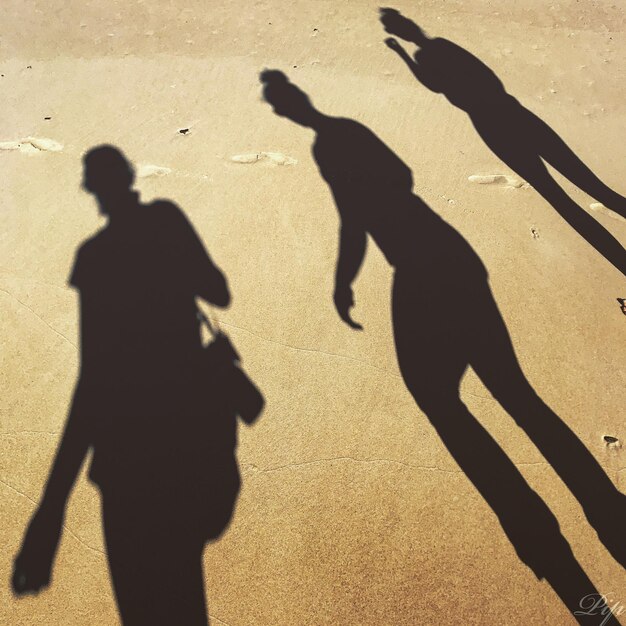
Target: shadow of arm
{"type": "Point", "coordinates": [209, 283]}
{"type": "Point", "coordinates": [394, 45]}
{"type": "Point", "coordinates": [33, 563]}
{"type": "Point", "coordinates": [352, 247]}
{"type": "Point", "coordinates": [69, 458]}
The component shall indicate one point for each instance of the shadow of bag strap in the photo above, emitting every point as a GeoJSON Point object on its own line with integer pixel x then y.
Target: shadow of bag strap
{"type": "Point", "coordinates": [214, 330]}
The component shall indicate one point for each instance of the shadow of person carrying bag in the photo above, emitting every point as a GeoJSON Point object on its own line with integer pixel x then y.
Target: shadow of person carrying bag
{"type": "Point", "coordinates": [193, 475]}
{"type": "Point", "coordinates": [232, 395]}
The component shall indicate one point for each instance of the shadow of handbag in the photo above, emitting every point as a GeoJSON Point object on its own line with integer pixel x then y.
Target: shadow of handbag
{"type": "Point", "coordinates": [238, 393]}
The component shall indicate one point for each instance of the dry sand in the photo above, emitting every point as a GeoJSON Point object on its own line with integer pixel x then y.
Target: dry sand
{"type": "Point", "coordinates": [352, 511]}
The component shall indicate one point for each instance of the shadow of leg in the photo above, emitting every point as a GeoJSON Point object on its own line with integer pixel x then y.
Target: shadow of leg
{"type": "Point", "coordinates": [517, 137]}
{"type": "Point", "coordinates": [433, 343]}
{"type": "Point", "coordinates": [583, 223]}
{"type": "Point", "coordinates": [556, 152]}
{"type": "Point", "coordinates": [526, 520]}
{"type": "Point", "coordinates": [496, 364]}
{"type": "Point", "coordinates": [155, 564]}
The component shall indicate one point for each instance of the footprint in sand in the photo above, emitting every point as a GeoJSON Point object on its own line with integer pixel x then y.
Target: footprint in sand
{"type": "Point", "coordinates": [501, 180]}
{"type": "Point", "coordinates": [600, 208]}
{"type": "Point", "coordinates": [273, 158]}
{"type": "Point", "coordinates": [146, 170]}
{"type": "Point", "coordinates": [32, 145]}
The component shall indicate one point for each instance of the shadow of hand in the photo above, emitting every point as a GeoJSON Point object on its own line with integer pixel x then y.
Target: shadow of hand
{"type": "Point", "coordinates": [32, 568]}
{"type": "Point", "coordinates": [394, 44]}
{"type": "Point", "coordinates": [344, 301]}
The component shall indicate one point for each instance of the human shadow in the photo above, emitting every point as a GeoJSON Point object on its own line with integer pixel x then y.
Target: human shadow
{"type": "Point", "coordinates": [513, 133]}
{"type": "Point", "coordinates": [157, 409]}
{"type": "Point", "coordinates": [435, 269]}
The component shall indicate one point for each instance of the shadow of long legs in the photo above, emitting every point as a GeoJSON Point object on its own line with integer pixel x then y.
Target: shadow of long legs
{"type": "Point", "coordinates": [520, 139]}
{"type": "Point", "coordinates": [494, 361]}
{"type": "Point", "coordinates": [526, 520]}
{"type": "Point", "coordinates": [557, 153]}
{"type": "Point", "coordinates": [156, 568]}
{"type": "Point", "coordinates": [433, 355]}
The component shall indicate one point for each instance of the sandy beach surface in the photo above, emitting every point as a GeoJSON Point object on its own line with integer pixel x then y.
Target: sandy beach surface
{"type": "Point", "coordinates": [352, 511]}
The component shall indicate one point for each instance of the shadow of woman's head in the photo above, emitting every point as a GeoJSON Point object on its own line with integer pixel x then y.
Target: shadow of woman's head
{"type": "Point", "coordinates": [396, 24]}
{"type": "Point", "coordinates": [286, 99]}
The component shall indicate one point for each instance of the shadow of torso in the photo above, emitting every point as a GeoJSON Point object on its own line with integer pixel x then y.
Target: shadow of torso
{"type": "Point", "coordinates": [372, 188]}
{"type": "Point", "coordinates": [440, 285]}
{"type": "Point", "coordinates": [444, 67]}
{"type": "Point", "coordinates": [158, 428]}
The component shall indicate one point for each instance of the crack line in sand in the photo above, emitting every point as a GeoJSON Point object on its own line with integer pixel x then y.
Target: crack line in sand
{"type": "Point", "coordinates": [6, 484]}
{"type": "Point", "coordinates": [52, 328]}
{"type": "Point", "coordinates": [429, 468]}
{"type": "Point", "coordinates": [254, 468]}
{"type": "Point", "coordinates": [274, 158]}
{"type": "Point", "coordinates": [298, 349]}
{"type": "Point", "coordinates": [330, 354]}
{"type": "Point", "coordinates": [65, 526]}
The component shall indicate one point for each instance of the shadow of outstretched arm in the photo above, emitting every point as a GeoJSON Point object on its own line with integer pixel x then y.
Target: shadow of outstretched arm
{"type": "Point", "coordinates": [33, 564]}
{"type": "Point", "coordinates": [394, 45]}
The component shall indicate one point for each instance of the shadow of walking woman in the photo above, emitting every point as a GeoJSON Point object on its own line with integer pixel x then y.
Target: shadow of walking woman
{"type": "Point", "coordinates": [435, 269]}
{"type": "Point", "coordinates": [513, 133]}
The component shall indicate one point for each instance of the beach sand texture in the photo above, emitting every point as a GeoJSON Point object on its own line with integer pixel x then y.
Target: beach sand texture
{"type": "Point", "coordinates": [352, 511]}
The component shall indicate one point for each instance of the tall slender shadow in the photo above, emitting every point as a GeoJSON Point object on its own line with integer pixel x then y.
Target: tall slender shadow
{"type": "Point", "coordinates": [435, 269]}
{"type": "Point", "coordinates": [513, 133]}
{"type": "Point", "coordinates": [153, 405]}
